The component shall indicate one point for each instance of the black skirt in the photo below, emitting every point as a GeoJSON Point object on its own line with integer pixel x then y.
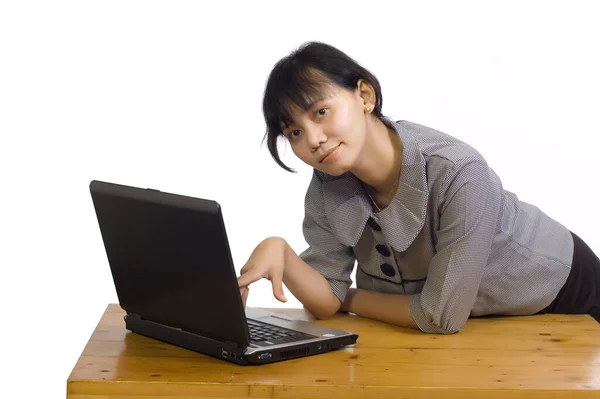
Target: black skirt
{"type": "Point", "coordinates": [581, 292]}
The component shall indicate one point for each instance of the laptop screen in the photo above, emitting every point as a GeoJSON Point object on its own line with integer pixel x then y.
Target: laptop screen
{"type": "Point", "coordinates": [170, 260]}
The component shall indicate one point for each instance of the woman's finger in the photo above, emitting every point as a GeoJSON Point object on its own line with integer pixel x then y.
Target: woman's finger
{"type": "Point", "coordinates": [244, 291]}
{"type": "Point", "coordinates": [248, 278]}
{"type": "Point", "coordinates": [278, 288]}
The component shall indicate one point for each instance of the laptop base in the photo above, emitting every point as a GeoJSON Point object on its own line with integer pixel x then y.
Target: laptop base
{"type": "Point", "coordinates": [230, 351]}
{"type": "Point", "coordinates": [184, 339]}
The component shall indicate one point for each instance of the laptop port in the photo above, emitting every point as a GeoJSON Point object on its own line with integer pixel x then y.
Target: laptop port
{"type": "Point", "coordinates": [224, 353]}
{"type": "Point", "coordinates": [264, 356]}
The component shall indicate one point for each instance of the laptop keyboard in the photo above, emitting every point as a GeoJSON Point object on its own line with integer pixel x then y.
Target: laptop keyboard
{"type": "Point", "coordinates": [273, 335]}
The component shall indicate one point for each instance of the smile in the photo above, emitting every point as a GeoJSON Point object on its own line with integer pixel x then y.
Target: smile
{"type": "Point", "coordinates": [329, 153]}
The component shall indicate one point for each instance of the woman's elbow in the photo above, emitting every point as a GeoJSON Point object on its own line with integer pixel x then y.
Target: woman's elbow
{"type": "Point", "coordinates": [445, 328]}
{"type": "Point", "coordinates": [324, 311]}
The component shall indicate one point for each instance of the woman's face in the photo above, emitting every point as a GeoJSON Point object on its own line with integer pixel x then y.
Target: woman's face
{"type": "Point", "coordinates": [331, 134]}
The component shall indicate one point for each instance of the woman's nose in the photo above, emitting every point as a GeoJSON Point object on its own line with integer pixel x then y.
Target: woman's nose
{"type": "Point", "coordinates": [315, 136]}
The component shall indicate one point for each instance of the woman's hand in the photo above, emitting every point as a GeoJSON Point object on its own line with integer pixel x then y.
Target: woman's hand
{"type": "Point", "coordinates": [275, 260]}
{"type": "Point", "coordinates": [244, 291]}
{"type": "Point", "coordinates": [266, 261]}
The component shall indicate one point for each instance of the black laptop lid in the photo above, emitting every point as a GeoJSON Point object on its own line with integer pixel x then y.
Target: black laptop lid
{"type": "Point", "coordinates": [170, 260]}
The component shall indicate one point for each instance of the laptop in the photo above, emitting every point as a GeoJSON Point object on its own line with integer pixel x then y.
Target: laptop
{"type": "Point", "coordinates": [174, 276]}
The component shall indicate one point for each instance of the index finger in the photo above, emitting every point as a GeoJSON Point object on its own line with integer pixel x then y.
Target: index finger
{"type": "Point", "coordinates": [247, 279]}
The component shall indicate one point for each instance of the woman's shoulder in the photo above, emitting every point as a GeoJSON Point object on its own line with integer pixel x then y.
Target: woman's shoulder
{"type": "Point", "coordinates": [443, 159]}
{"type": "Point", "coordinates": [440, 146]}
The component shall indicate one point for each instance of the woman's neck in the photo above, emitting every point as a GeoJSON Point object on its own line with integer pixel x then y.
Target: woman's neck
{"type": "Point", "coordinates": [381, 163]}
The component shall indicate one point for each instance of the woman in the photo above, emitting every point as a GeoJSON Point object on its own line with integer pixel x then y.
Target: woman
{"type": "Point", "coordinates": [436, 237]}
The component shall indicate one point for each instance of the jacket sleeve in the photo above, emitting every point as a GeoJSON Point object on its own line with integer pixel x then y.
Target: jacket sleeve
{"type": "Point", "coordinates": [325, 253]}
{"type": "Point", "coordinates": [469, 208]}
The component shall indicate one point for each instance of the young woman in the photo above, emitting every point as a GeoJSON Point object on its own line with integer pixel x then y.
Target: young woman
{"type": "Point", "coordinates": [435, 236]}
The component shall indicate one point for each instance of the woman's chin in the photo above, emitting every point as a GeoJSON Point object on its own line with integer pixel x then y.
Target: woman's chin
{"type": "Point", "coordinates": [338, 170]}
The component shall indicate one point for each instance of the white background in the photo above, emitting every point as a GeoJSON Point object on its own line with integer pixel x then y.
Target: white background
{"type": "Point", "coordinates": [168, 95]}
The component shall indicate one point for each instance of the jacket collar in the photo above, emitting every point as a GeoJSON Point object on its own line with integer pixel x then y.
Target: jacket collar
{"type": "Point", "coordinates": [401, 221]}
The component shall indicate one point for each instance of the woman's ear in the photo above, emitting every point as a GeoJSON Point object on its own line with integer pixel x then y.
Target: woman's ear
{"type": "Point", "coordinates": [367, 94]}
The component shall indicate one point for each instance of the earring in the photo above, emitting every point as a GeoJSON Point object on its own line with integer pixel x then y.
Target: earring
{"type": "Point", "coordinates": [368, 109]}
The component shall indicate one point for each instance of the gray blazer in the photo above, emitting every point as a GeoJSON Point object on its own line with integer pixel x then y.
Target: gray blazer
{"type": "Point", "coordinates": [452, 237]}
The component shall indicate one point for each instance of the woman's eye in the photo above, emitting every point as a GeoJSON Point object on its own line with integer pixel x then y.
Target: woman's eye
{"type": "Point", "coordinates": [295, 133]}
{"type": "Point", "coordinates": [322, 111]}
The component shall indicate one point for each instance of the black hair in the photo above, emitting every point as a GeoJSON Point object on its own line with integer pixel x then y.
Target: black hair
{"type": "Point", "coordinates": [301, 78]}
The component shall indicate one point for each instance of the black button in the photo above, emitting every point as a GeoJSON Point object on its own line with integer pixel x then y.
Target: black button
{"type": "Point", "coordinates": [373, 224]}
{"type": "Point", "coordinates": [382, 249]}
{"type": "Point", "coordinates": [388, 270]}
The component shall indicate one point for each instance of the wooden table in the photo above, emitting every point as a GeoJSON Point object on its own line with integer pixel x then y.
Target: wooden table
{"type": "Point", "coordinates": [549, 356]}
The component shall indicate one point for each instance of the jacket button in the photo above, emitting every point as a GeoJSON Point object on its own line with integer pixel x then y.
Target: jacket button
{"type": "Point", "coordinates": [373, 224]}
{"type": "Point", "coordinates": [388, 270]}
{"type": "Point", "coordinates": [382, 249]}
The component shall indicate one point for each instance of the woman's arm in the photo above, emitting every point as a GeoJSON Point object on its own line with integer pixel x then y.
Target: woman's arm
{"type": "Point", "coordinates": [276, 261]}
{"type": "Point", "coordinates": [389, 308]}
{"type": "Point", "coordinates": [469, 212]}
{"type": "Point", "coordinates": [309, 286]}
{"type": "Point", "coordinates": [320, 276]}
